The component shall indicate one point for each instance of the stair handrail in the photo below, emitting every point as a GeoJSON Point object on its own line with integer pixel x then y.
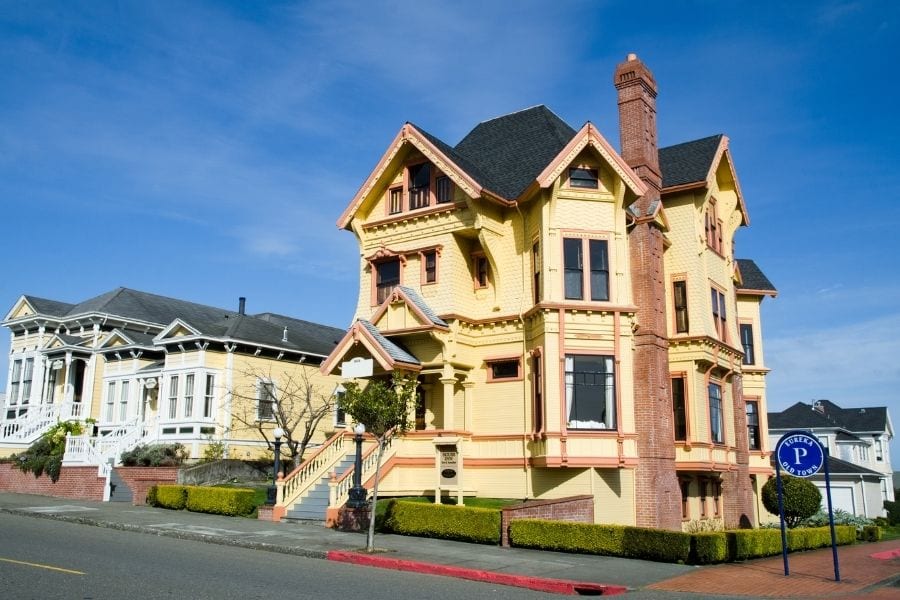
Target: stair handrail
{"type": "Point", "coordinates": [34, 423]}
{"type": "Point", "coordinates": [299, 481]}
{"type": "Point", "coordinates": [339, 486]}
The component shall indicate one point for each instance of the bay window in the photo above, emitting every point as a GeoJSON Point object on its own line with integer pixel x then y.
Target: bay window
{"type": "Point", "coordinates": [590, 392]}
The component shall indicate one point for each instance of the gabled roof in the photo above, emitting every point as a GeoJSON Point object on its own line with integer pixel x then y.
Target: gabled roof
{"type": "Point", "coordinates": [388, 354]}
{"type": "Point", "coordinates": [49, 307]}
{"type": "Point", "coordinates": [415, 303]}
{"type": "Point", "coordinates": [830, 415]}
{"type": "Point", "coordinates": [692, 164]}
{"type": "Point", "coordinates": [513, 149]}
{"type": "Point", "coordinates": [753, 280]}
{"type": "Point", "coordinates": [129, 339]}
{"type": "Point", "coordinates": [688, 162]}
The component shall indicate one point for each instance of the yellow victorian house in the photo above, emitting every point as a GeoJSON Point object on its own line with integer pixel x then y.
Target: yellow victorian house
{"type": "Point", "coordinates": [575, 316]}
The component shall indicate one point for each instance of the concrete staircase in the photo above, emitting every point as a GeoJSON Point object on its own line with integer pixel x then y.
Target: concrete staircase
{"type": "Point", "coordinates": [118, 489]}
{"type": "Point", "coordinates": [313, 506]}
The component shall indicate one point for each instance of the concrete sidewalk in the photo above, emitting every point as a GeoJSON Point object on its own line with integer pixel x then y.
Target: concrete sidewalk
{"type": "Point", "coordinates": [760, 578]}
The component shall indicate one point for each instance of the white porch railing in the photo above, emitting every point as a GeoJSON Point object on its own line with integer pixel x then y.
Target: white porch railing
{"type": "Point", "coordinates": [299, 481]}
{"type": "Point", "coordinates": [339, 487]}
{"type": "Point", "coordinates": [105, 451]}
{"type": "Point", "coordinates": [39, 418]}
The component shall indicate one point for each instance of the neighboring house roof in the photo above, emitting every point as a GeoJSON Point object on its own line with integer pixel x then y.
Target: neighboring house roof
{"type": "Point", "coordinates": [49, 307]}
{"type": "Point", "coordinates": [512, 150]}
{"type": "Point", "coordinates": [804, 416]}
{"type": "Point", "coordinates": [134, 305]}
{"type": "Point", "coordinates": [837, 466]}
{"type": "Point", "coordinates": [752, 278]}
{"type": "Point", "coordinates": [688, 162]}
{"type": "Point", "coordinates": [843, 436]}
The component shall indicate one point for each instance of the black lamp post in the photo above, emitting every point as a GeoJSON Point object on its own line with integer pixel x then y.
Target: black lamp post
{"type": "Point", "coordinates": [358, 493]}
{"type": "Point", "coordinates": [272, 492]}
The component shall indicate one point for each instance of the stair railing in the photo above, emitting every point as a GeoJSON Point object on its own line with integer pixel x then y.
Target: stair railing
{"type": "Point", "coordinates": [299, 481]}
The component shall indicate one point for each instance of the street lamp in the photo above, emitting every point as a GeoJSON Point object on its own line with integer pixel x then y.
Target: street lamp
{"type": "Point", "coordinates": [358, 493]}
{"type": "Point", "coordinates": [272, 492]}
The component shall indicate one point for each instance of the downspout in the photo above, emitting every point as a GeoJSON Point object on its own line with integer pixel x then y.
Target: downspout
{"type": "Point", "coordinates": [525, 278]}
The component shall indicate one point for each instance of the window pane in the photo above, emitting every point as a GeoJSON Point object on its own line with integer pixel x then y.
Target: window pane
{"type": "Point", "coordinates": [681, 312]}
{"type": "Point", "coordinates": [507, 369]}
{"type": "Point", "coordinates": [583, 178]}
{"type": "Point", "coordinates": [678, 408]}
{"type": "Point", "coordinates": [599, 270]}
{"type": "Point", "coordinates": [444, 191]}
{"type": "Point", "coordinates": [590, 392]}
{"type": "Point", "coordinates": [715, 413]}
{"type": "Point", "coordinates": [387, 276]}
{"type": "Point", "coordinates": [747, 343]}
{"type": "Point", "coordinates": [574, 279]}
{"type": "Point", "coordinates": [430, 267]}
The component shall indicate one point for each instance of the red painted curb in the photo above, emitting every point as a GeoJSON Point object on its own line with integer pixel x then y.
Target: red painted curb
{"type": "Point", "coordinates": [541, 584]}
{"type": "Point", "coordinates": [886, 555]}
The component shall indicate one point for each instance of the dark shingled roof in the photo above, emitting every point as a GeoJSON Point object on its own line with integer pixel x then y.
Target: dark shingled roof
{"type": "Point", "coordinates": [267, 328]}
{"type": "Point", "coordinates": [416, 299]}
{"type": "Point", "coordinates": [394, 350]}
{"type": "Point", "coordinates": [802, 416]}
{"type": "Point", "coordinates": [837, 466]}
{"type": "Point", "coordinates": [752, 277]}
{"type": "Point", "coordinates": [512, 150]}
{"type": "Point", "coordinates": [688, 162]}
{"type": "Point", "coordinates": [51, 308]}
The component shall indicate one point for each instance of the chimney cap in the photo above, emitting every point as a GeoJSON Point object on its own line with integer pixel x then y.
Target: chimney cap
{"type": "Point", "coordinates": [631, 56]}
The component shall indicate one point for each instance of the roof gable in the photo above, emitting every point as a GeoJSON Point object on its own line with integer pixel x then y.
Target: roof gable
{"type": "Point", "coordinates": [752, 280]}
{"type": "Point", "coordinates": [433, 149]}
{"type": "Point", "coordinates": [389, 354]}
{"type": "Point", "coordinates": [414, 313]}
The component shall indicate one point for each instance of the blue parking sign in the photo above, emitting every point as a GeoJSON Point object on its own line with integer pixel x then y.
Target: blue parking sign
{"type": "Point", "coordinates": [800, 454]}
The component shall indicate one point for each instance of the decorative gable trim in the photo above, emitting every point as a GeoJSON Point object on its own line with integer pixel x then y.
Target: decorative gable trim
{"type": "Point", "coordinates": [404, 295]}
{"type": "Point", "coordinates": [408, 134]}
{"type": "Point", "coordinates": [359, 334]}
{"type": "Point", "coordinates": [22, 309]}
{"type": "Point", "coordinates": [589, 136]}
{"type": "Point", "coordinates": [173, 327]}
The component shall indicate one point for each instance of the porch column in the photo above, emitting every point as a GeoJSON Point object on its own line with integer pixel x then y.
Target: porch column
{"type": "Point", "coordinates": [449, 385]}
{"type": "Point", "coordinates": [468, 386]}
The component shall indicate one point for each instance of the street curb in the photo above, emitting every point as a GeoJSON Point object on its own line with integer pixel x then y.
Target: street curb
{"type": "Point", "coordinates": [540, 584]}
{"type": "Point", "coordinates": [181, 535]}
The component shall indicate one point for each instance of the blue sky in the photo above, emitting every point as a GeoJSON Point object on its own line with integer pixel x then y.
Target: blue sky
{"type": "Point", "coordinates": [204, 150]}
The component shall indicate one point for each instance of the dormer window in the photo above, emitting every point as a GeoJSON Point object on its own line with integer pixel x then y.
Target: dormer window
{"type": "Point", "coordinates": [583, 177]}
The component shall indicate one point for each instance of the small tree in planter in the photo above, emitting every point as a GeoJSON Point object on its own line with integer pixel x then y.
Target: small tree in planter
{"type": "Point", "coordinates": [384, 408]}
{"type": "Point", "coordinates": [801, 498]}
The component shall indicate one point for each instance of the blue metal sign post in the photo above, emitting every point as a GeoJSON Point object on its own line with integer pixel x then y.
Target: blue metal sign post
{"type": "Point", "coordinates": [801, 454]}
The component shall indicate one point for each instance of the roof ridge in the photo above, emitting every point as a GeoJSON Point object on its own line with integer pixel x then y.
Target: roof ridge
{"type": "Point", "coordinates": [515, 112]}
{"type": "Point", "coordinates": [703, 139]}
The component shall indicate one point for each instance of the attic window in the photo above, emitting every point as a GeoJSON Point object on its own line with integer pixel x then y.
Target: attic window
{"type": "Point", "coordinates": [583, 177]}
{"type": "Point", "coordinates": [419, 185]}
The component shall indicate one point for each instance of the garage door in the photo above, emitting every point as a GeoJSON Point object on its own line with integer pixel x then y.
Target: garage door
{"type": "Point", "coordinates": [841, 498]}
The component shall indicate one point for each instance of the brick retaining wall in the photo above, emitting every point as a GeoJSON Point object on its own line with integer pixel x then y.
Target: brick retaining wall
{"type": "Point", "coordinates": [79, 483]}
{"type": "Point", "coordinates": [579, 509]}
{"type": "Point", "coordinates": [140, 479]}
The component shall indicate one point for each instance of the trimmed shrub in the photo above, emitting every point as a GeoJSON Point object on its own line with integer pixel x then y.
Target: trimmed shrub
{"type": "Point", "coordinates": [871, 533]}
{"type": "Point", "coordinates": [893, 511]}
{"type": "Point", "coordinates": [171, 496]}
{"type": "Point", "coordinates": [479, 525]}
{"type": "Point", "coordinates": [801, 498]}
{"type": "Point", "coordinates": [753, 543]}
{"type": "Point", "coordinates": [566, 536]}
{"type": "Point", "coordinates": [151, 496]}
{"type": "Point", "coordinates": [220, 500]}
{"type": "Point", "coordinates": [709, 548]}
{"type": "Point", "coordinates": [609, 540]}
{"type": "Point", "coordinates": [656, 544]}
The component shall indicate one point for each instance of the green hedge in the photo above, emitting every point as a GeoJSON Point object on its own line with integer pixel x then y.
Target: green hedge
{"type": "Point", "coordinates": [709, 548]}
{"type": "Point", "coordinates": [170, 496]}
{"type": "Point", "coordinates": [479, 525]}
{"type": "Point", "coordinates": [872, 533]}
{"type": "Point", "coordinates": [221, 501]}
{"type": "Point", "coordinates": [610, 540]}
{"type": "Point", "coordinates": [195, 498]}
{"type": "Point", "coordinates": [670, 546]}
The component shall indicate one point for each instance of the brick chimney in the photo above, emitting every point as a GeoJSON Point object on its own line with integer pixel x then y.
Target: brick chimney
{"type": "Point", "coordinates": [637, 120]}
{"type": "Point", "coordinates": [657, 491]}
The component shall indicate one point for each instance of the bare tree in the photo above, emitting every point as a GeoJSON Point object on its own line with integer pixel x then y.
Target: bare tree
{"type": "Point", "coordinates": [289, 400]}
